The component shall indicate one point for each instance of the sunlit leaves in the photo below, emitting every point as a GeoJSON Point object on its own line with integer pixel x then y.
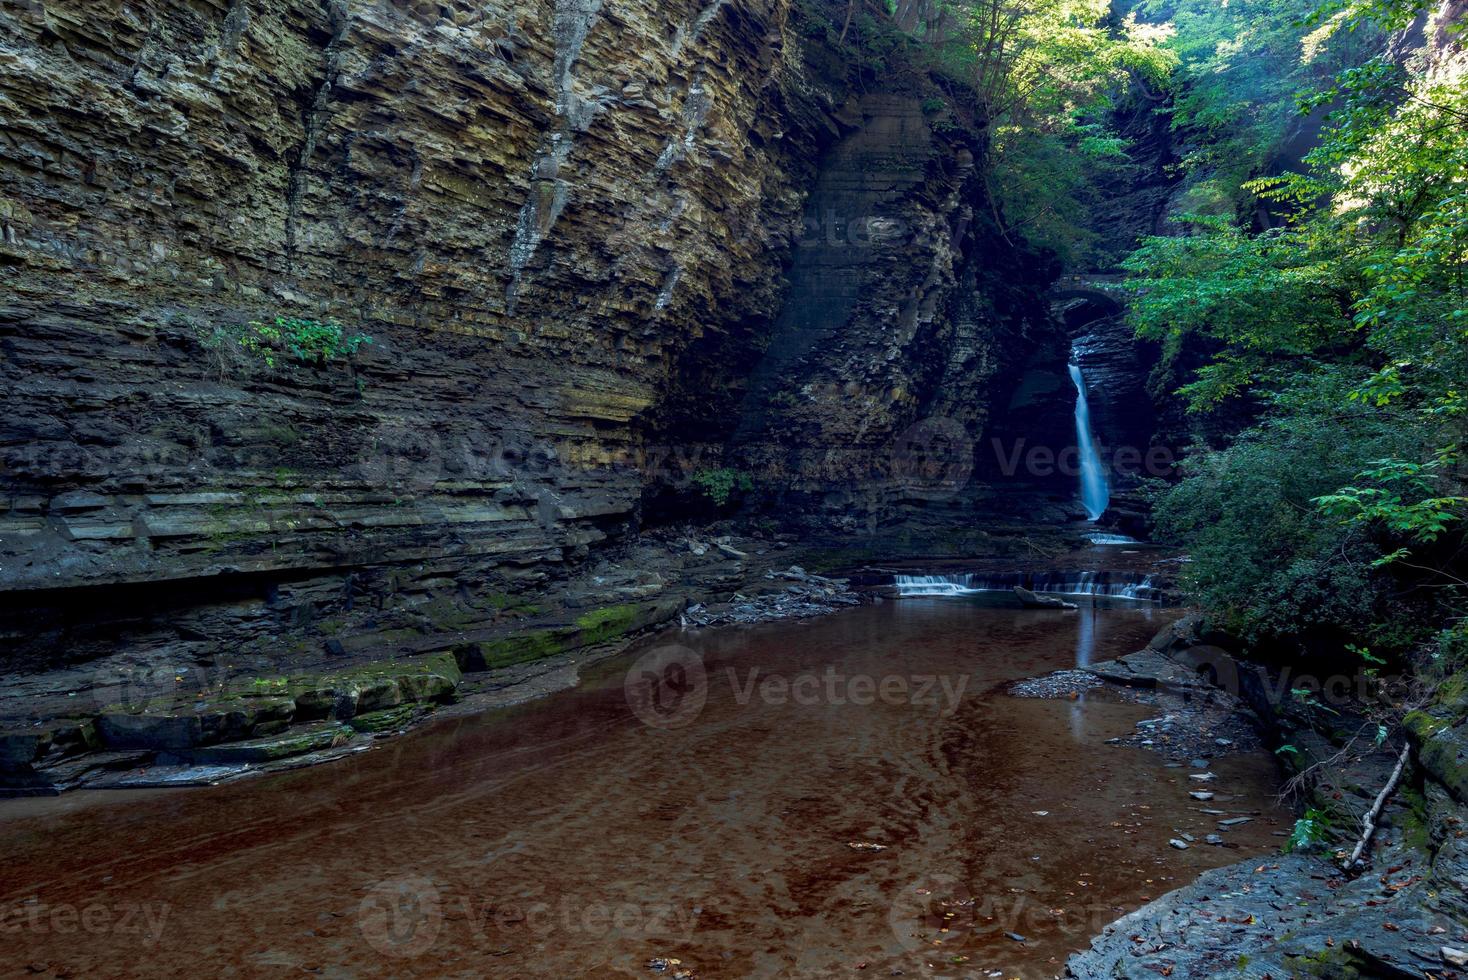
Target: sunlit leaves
{"type": "Point", "coordinates": [1047, 73]}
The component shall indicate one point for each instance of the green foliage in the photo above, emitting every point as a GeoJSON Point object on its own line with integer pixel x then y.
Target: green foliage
{"type": "Point", "coordinates": [1241, 67]}
{"type": "Point", "coordinates": [1311, 829]}
{"type": "Point", "coordinates": [1266, 561]}
{"type": "Point", "coordinates": [1343, 507]}
{"type": "Point", "coordinates": [719, 485]}
{"type": "Point", "coordinates": [1400, 501]}
{"type": "Point", "coordinates": [1272, 300]}
{"type": "Point", "coordinates": [1046, 74]}
{"type": "Point", "coordinates": [264, 343]}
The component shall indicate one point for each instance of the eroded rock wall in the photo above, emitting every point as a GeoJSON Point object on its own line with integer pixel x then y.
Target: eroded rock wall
{"type": "Point", "coordinates": [564, 224]}
{"type": "Point", "coordinates": [874, 401]}
{"type": "Point", "coordinates": [530, 208]}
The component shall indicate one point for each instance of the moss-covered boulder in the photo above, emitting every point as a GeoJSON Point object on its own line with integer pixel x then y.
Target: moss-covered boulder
{"type": "Point", "coordinates": [1442, 749]}
{"type": "Point", "coordinates": [173, 725]}
{"type": "Point", "coordinates": [520, 648]}
{"type": "Point", "coordinates": [377, 686]}
{"type": "Point", "coordinates": [1437, 731]}
{"type": "Point", "coordinates": [591, 628]}
{"type": "Point", "coordinates": [22, 748]}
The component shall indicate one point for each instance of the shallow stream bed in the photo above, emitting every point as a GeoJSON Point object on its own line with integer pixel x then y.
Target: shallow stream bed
{"type": "Point", "coordinates": [853, 796]}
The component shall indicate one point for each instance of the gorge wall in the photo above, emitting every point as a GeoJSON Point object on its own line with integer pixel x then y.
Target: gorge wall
{"type": "Point", "coordinates": [572, 231]}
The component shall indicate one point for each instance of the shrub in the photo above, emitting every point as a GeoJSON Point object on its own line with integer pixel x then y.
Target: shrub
{"type": "Point", "coordinates": [719, 485]}
{"type": "Point", "coordinates": [264, 343]}
{"type": "Point", "coordinates": [1267, 560]}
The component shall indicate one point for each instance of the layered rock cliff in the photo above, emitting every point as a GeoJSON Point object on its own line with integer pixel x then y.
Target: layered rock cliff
{"type": "Point", "coordinates": [571, 231]}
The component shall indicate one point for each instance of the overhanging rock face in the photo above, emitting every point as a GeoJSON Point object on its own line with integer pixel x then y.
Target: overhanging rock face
{"type": "Point", "coordinates": [565, 226]}
{"type": "Point", "coordinates": [529, 208]}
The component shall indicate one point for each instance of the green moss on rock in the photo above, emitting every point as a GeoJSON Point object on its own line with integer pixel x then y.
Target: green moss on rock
{"type": "Point", "coordinates": [301, 741]}
{"type": "Point", "coordinates": [1441, 750]}
{"type": "Point", "coordinates": [606, 624]}
{"type": "Point", "coordinates": [511, 650]}
{"type": "Point", "coordinates": [389, 720]}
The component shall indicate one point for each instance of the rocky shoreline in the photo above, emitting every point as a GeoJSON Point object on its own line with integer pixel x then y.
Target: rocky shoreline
{"type": "Point", "coordinates": [1292, 915]}
{"type": "Point", "coordinates": [150, 717]}
{"type": "Point", "coordinates": [130, 724]}
{"type": "Point", "coordinates": [1296, 914]}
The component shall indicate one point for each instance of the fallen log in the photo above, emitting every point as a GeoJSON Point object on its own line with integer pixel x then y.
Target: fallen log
{"type": "Point", "coordinates": [1374, 813]}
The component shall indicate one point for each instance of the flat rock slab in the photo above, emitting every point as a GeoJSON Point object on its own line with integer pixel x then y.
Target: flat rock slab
{"type": "Point", "coordinates": [297, 741]}
{"type": "Point", "coordinates": [163, 777]}
{"type": "Point", "coordinates": [167, 725]}
{"type": "Point", "coordinates": [1288, 916]}
{"type": "Point", "coordinates": [1148, 668]}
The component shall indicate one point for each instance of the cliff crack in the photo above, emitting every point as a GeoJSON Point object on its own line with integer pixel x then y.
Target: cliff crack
{"type": "Point", "coordinates": [696, 107]}
{"type": "Point", "coordinates": [338, 20]}
{"type": "Point", "coordinates": [236, 23]}
{"type": "Point", "coordinates": [548, 192]}
{"type": "Point", "coordinates": [691, 35]}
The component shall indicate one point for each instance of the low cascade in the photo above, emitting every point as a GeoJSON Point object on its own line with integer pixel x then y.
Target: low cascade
{"type": "Point", "coordinates": [1095, 492]}
{"type": "Point", "coordinates": [1099, 537]}
{"type": "Point", "coordinates": [1102, 584]}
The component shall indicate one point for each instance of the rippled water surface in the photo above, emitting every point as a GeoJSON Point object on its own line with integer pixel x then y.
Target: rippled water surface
{"type": "Point", "coordinates": [569, 838]}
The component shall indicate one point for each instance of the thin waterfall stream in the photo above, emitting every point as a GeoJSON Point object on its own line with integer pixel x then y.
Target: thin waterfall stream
{"type": "Point", "coordinates": [1095, 490]}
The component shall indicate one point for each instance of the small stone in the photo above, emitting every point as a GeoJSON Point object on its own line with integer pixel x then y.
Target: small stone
{"type": "Point", "coordinates": [1015, 936]}
{"type": "Point", "coordinates": [1201, 795]}
{"type": "Point", "coordinates": [1223, 742]}
{"type": "Point", "coordinates": [1199, 763]}
{"type": "Point", "coordinates": [1454, 957]}
{"type": "Point", "coordinates": [1180, 845]}
{"type": "Point", "coordinates": [1203, 777]}
{"type": "Point", "coordinates": [1234, 822]}
{"type": "Point", "coordinates": [1213, 839]}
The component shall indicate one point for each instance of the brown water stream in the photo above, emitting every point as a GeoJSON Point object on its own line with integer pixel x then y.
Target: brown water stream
{"type": "Point", "coordinates": [567, 838]}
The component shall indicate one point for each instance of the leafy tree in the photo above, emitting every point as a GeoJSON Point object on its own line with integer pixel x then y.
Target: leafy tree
{"type": "Point", "coordinates": [1350, 323]}
{"type": "Point", "coordinates": [1045, 74]}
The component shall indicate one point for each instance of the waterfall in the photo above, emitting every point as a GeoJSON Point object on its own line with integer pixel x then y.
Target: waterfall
{"type": "Point", "coordinates": [1114, 585]}
{"type": "Point", "coordinates": [1095, 494]}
